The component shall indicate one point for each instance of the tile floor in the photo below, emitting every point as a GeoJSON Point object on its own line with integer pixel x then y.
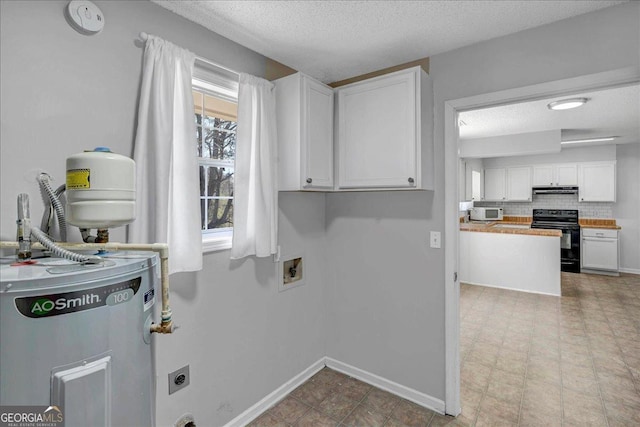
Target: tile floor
{"type": "Point", "coordinates": [330, 398]}
{"type": "Point", "coordinates": [535, 360]}
{"type": "Point", "coordinates": [526, 359]}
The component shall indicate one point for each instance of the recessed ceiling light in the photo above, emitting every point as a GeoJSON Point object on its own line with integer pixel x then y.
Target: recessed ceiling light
{"type": "Point", "coordinates": [578, 141]}
{"type": "Point", "coordinates": [567, 104]}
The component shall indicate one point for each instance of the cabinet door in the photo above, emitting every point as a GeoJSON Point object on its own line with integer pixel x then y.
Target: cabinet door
{"type": "Point", "coordinates": [377, 133]}
{"type": "Point", "coordinates": [473, 181]}
{"type": "Point", "coordinates": [519, 184]}
{"type": "Point", "coordinates": [317, 128]}
{"type": "Point", "coordinates": [542, 175]}
{"type": "Point", "coordinates": [597, 182]}
{"type": "Point", "coordinates": [599, 253]}
{"type": "Point", "coordinates": [566, 174]}
{"type": "Point", "coordinates": [494, 184]}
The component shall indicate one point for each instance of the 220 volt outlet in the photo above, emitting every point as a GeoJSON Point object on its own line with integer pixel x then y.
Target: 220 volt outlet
{"type": "Point", "coordinates": [178, 379]}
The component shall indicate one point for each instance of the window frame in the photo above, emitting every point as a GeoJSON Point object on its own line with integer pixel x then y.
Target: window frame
{"type": "Point", "coordinates": [222, 85]}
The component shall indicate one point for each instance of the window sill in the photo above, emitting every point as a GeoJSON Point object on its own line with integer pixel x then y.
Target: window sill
{"type": "Point", "coordinates": [216, 243]}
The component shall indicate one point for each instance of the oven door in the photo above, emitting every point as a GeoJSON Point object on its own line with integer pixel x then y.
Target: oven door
{"type": "Point", "coordinates": [570, 249]}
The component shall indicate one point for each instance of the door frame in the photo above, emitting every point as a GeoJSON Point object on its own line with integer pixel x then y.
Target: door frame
{"type": "Point", "coordinates": [564, 87]}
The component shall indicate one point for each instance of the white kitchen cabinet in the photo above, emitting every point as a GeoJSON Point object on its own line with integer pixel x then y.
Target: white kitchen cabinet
{"type": "Point", "coordinates": [566, 174]}
{"type": "Point", "coordinates": [562, 174]}
{"type": "Point", "coordinates": [542, 175]}
{"type": "Point", "coordinates": [384, 132]}
{"type": "Point", "coordinates": [518, 184]}
{"type": "Point", "coordinates": [473, 180]}
{"type": "Point", "coordinates": [599, 250]}
{"type": "Point", "coordinates": [597, 182]}
{"type": "Point", "coordinates": [495, 184]}
{"type": "Point", "coordinates": [304, 109]}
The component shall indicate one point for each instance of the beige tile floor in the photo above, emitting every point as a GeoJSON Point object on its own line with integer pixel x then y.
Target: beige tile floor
{"type": "Point", "coordinates": [526, 359]}
{"type": "Point", "coordinates": [530, 359]}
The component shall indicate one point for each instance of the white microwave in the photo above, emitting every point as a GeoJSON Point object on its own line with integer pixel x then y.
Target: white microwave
{"type": "Point", "coordinates": [486, 214]}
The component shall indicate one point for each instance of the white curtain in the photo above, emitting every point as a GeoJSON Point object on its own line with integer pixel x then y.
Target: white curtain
{"type": "Point", "coordinates": [168, 205]}
{"type": "Point", "coordinates": [255, 197]}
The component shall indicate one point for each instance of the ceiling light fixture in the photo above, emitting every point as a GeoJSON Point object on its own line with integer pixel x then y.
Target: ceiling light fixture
{"type": "Point", "coordinates": [579, 141]}
{"type": "Point", "coordinates": [567, 104]}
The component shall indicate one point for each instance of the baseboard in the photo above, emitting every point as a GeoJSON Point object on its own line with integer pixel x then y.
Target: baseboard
{"type": "Point", "coordinates": [415, 396]}
{"type": "Point", "coordinates": [599, 272]}
{"type": "Point", "coordinates": [507, 288]}
{"type": "Point", "coordinates": [630, 270]}
{"type": "Point", "coordinates": [268, 401]}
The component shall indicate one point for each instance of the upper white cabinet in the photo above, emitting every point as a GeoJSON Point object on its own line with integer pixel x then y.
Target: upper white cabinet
{"type": "Point", "coordinates": [566, 174]}
{"type": "Point", "coordinates": [384, 132]}
{"type": "Point", "coordinates": [543, 175]}
{"type": "Point", "coordinates": [472, 180]}
{"type": "Point", "coordinates": [304, 109]}
{"type": "Point", "coordinates": [507, 184]}
{"type": "Point", "coordinates": [597, 182]}
{"type": "Point", "coordinates": [519, 184]}
{"type": "Point", "coordinates": [495, 184]}
{"type": "Point", "coordinates": [562, 174]}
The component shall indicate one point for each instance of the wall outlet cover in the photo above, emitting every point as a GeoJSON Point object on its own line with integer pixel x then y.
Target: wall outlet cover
{"type": "Point", "coordinates": [178, 379]}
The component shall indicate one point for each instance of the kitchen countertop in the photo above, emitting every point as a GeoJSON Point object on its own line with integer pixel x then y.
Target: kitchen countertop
{"type": "Point", "coordinates": [489, 227]}
{"type": "Point", "coordinates": [599, 223]}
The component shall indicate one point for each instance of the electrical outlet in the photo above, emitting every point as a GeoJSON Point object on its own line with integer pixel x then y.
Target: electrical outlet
{"type": "Point", "coordinates": [178, 379]}
{"type": "Point", "coordinates": [434, 239]}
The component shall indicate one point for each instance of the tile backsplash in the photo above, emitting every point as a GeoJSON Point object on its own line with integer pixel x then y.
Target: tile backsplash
{"type": "Point", "coordinates": [554, 201]}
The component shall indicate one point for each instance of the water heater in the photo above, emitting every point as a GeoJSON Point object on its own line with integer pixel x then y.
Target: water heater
{"type": "Point", "coordinates": [100, 189]}
{"type": "Point", "coordinates": [77, 337]}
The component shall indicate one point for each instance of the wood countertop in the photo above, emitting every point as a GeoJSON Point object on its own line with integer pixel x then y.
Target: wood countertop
{"type": "Point", "coordinates": [599, 223]}
{"type": "Point", "coordinates": [489, 226]}
{"type": "Point", "coordinates": [495, 227]}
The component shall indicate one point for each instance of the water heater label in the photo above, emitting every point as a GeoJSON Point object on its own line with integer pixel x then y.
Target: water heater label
{"type": "Point", "coordinates": [149, 299]}
{"type": "Point", "coordinates": [78, 179]}
{"type": "Point", "coordinates": [71, 302]}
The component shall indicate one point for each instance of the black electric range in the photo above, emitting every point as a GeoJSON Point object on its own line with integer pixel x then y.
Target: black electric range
{"type": "Point", "coordinates": [565, 220]}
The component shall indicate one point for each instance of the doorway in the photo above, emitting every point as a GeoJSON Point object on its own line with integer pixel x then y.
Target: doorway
{"type": "Point", "coordinates": [452, 188]}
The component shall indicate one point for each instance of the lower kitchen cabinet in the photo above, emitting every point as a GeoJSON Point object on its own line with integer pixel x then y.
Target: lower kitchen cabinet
{"type": "Point", "coordinates": [599, 250]}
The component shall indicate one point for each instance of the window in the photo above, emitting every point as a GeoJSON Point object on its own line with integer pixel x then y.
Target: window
{"type": "Point", "coordinates": [215, 107]}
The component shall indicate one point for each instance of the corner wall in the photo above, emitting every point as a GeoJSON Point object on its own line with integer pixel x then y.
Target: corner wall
{"type": "Point", "coordinates": [626, 210]}
{"type": "Point", "coordinates": [386, 305]}
{"type": "Point", "coordinates": [63, 92]}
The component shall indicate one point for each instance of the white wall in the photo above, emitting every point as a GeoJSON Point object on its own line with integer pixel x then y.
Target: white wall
{"type": "Point", "coordinates": [567, 155]}
{"type": "Point", "coordinates": [62, 92]}
{"type": "Point", "coordinates": [626, 210]}
{"type": "Point", "coordinates": [385, 295]}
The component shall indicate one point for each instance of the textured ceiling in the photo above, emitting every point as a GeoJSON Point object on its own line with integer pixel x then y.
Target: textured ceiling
{"type": "Point", "coordinates": [610, 112]}
{"type": "Point", "coordinates": [335, 40]}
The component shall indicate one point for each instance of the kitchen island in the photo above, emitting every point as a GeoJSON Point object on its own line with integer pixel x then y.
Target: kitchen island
{"type": "Point", "coordinates": [510, 255]}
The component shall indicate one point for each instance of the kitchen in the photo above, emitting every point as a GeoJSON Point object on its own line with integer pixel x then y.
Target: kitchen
{"type": "Point", "coordinates": [557, 169]}
{"type": "Point", "coordinates": [534, 337]}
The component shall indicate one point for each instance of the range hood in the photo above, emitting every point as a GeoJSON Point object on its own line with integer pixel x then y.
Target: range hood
{"type": "Point", "coordinates": [555, 190]}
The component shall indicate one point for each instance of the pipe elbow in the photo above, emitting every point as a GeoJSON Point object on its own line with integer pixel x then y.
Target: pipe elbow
{"type": "Point", "coordinates": [163, 328]}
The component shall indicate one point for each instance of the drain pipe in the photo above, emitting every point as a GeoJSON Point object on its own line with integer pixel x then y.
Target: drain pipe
{"type": "Point", "coordinates": [166, 325]}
